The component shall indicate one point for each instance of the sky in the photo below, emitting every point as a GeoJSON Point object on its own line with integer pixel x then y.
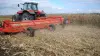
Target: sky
{"type": "Point", "coordinates": [9, 7]}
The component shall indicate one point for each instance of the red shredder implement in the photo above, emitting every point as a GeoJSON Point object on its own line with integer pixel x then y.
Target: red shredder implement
{"type": "Point", "coordinates": [9, 26]}
{"type": "Point", "coordinates": [29, 18]}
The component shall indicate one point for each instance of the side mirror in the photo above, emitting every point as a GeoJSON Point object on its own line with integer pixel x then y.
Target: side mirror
{"type": "Point", "coordinates": [21, 9]}
{"type": "Point", "coordinates": [18, 5]}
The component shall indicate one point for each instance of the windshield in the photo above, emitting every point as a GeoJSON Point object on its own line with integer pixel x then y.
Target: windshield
{"type": "Point", "coordinates": [25, 6]}
{"type": "Point", "coordinates": [34, 7]}
{"type": "Point", "coordinates": [30, 7]}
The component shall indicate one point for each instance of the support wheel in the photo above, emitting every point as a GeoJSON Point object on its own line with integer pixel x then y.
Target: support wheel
{"type": "Point", "coordinates": [64, 23]}
{"type": "Point", "coordinates": [52, 27]}
{"type": "Point", "coordinates": [30, 32]}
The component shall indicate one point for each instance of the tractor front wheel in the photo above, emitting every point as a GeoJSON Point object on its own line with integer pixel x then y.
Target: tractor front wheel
{"type": "Point", "coordinates": [16, 17]}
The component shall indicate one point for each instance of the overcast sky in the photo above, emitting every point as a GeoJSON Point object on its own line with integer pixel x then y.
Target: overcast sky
{"type": "Point", "coordinates": [8, 7]}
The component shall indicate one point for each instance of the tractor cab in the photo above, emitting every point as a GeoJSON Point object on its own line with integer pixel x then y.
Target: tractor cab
{"type": "Point", "coordinates": [29, 6]}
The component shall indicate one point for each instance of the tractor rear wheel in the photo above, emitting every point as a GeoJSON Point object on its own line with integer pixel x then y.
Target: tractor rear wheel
{"type": "Point", "coordinates": [27, 16]}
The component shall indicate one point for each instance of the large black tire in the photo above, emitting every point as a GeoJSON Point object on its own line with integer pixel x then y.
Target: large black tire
{"type": "Point", "coordinates": [16, 17]}
{"type": "Point", "coordinates": [27, 16]}
{"type": "Point", "coordinates": [13, 18]}
{"type": "Point", "coordinates": [30, 32]}
{"type": "Point", "coordinates": [1, 24]}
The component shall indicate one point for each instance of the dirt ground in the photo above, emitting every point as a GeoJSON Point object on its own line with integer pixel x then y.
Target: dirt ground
{"type": "Point", "coordinates": [73, 40]}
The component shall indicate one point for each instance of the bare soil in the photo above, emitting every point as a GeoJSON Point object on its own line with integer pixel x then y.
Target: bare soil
{"type": "Point", "coordinates": [73, 40]}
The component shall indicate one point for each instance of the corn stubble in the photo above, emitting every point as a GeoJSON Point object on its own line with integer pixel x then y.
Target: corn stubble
{"type": "Point", "coordinates": [80, 38]}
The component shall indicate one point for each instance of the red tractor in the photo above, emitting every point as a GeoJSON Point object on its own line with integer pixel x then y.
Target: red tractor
{"type": "Point", "coordinates": [28, 12]}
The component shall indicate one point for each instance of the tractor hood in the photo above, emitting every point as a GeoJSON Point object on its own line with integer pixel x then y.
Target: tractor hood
{"type": "Point", "coordinates": [40, 12]}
